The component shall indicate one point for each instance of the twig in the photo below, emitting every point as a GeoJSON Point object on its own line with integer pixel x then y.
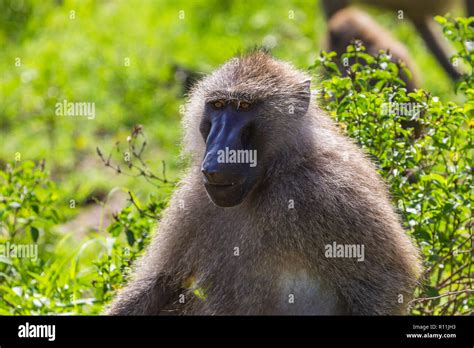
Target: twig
{"type": "Point", "coordinates": [140, 210]}
{"type": "Point", "coordinates": [423, 299]}
{"type": "Point", "coordinates": [142, 168]}
{"type": "Point", "coordinates": [444, 283]}
{"type": "Point", "coordinates": [446, 256]}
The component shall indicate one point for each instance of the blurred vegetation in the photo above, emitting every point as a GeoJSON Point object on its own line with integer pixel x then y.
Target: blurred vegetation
{"type": "Point", "coordinates": [134, 59]}
{"type": "Point", "coordinates": [423, 148]}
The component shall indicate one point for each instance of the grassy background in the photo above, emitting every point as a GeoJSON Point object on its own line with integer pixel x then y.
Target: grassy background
{"type": "Point", "coordinates": [78, 50]}
{"type": "Point", "coordinates": [81, 55]}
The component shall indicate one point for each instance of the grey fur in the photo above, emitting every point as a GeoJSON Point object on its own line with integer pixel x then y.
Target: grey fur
{"type": "Point", "coordinates": [337, 196]}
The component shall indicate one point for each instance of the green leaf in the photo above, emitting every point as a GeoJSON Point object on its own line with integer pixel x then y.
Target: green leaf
{"type": "Point", "coordinates": [130, 237]}
{"type": "Point", "coordinates": [34, 233]}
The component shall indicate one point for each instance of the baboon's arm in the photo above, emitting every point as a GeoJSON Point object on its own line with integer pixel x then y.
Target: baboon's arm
{"type": "Point", "coordinates": [434, 42]}
{"type": "Point", "coordinates": [157, 279]}
{"type": "Point", "coordinates": [469, 4]}
{"type": "Point", "coordinates": [145, 296]}
{"type": "Point", "coordinates": [330, 7]}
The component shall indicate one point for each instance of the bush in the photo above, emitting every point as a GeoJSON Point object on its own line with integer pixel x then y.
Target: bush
{"type": "Point", "coordinates": [27, 216]}
{"type": "Point", "coordinates": [423, 148]}
{"type": "Point", "coordinates": [56, 276]}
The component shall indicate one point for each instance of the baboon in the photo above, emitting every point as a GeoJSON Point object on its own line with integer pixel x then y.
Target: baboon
{"type": "Point", "coordinates": [421, 14]}
{"type": "Point", "coordinates": [243, 239]}
{"type": "Point", "coordinates": [350, 23]}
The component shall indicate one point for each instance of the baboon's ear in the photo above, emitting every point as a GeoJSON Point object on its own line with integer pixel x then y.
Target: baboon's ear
{"type": "Point", "coordinates": [306, 84]}
{"type": "Point", "coordinates": [306, 93]}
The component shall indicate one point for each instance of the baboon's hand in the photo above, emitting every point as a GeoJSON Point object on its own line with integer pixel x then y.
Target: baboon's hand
{"type": "Point", "coordinates": [142, 297]}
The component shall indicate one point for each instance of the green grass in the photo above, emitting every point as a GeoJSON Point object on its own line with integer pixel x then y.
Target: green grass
{"type": "Point", "coordinates": [82, 59]}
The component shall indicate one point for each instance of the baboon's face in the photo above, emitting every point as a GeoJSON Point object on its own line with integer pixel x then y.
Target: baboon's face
{"type": "Point", "coordinates": [246, 109]}
{"type": "Point", "coordinates": [230, 166]}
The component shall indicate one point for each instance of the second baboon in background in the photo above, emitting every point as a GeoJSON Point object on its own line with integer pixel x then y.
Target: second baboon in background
{"type": "Point", "coordinates": [351, 24]}
{"type": "Point", "coordinates": [420, 13]}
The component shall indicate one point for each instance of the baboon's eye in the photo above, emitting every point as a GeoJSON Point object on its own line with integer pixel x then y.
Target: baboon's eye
{"type": "Point", "coordinates": [244, 105]}
{"type": "Point", "coordinates": [218, 104]}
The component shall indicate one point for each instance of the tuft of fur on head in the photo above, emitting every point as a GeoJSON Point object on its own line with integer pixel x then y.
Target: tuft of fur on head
{"type": "Point", "coordinates": [253, 77]}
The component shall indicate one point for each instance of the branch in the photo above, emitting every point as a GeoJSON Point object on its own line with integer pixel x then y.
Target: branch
{"type": "Point", "coordinates": [423, 299]}
{"type": "Point", "coordinates": [140, 165]}
{"type": "Point", "coordinates": [140, 210]}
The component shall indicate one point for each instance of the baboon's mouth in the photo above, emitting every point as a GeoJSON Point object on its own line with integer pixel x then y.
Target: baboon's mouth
{"type": "Point", "coordinates": [220, 184]}
{"type": "Point", "coordinates": [226, 194]}
{"type": "Point", "coordinates": [224, 184]}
